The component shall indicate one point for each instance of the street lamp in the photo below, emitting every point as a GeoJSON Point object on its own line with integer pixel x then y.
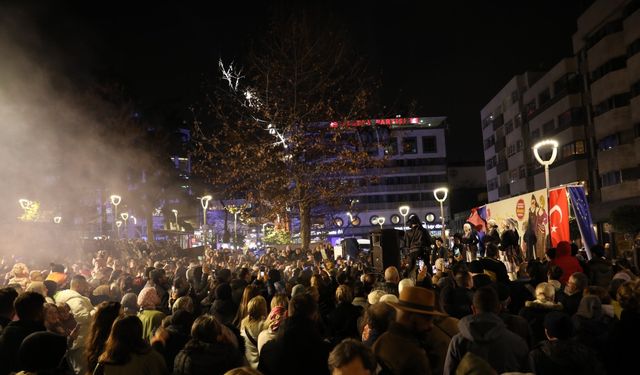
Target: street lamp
{"type": "Point", "coordinates": [175, 212]}
{"type": "Point", "coordinates": [57, 219]}
{"type": "Point", "coordinates": [115, 201]}
{"type": "Point", "coordinates": [204, 201]}
{"type": "Point", "coordinates": [546, 163]}
{"type": "Point", "coordinates": [444, 192]}
{"type": "Point", "coordinates": [118, 224]}
{"type": "Point", "coordinates": [24, 203]}
{"type": "Point", "coordinates": [235, 229]}
{"type": "Point", "coordinates": [125, 217]}
{"type": "Point", "coordinates": [381, 221]}
{"type": "Point", "coordinates": [404, 211]}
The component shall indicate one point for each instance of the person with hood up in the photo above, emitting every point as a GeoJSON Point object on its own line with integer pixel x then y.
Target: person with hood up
{"type": "Point", "coordinates": [149, 315]}
{"type": "Point", "coordinates": [590, 324]}
{"type": "Point", "coordinates": [559, 354]}
{"type": "Point", "coordinates": [417, 242]}
{"type": "Point", "coordinates": [566, 261]}
{"type": "Point", "coordinates": [485, 335]}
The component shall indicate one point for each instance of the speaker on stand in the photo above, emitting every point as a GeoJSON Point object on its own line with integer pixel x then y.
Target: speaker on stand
{"type": "Point", "coordinates": [385, 249]}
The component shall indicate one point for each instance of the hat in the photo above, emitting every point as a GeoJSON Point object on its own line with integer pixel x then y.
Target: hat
{"type": "Point", "coordinates": [622, 275]}
{"type": "Point", "coordinates": [417, 300]}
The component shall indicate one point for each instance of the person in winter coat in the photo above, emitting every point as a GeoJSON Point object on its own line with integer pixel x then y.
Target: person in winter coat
{"type": "Point", "coordinates": [590, 325]}
{"type": "Point", "coordinates": [208, 351]}
{"type": "Point", "coordinates": [30, 309]}
{"type": "Point", "coordinates": [173, 335]}
{"type": "Point", "coordinates": [81, 308]}
{"type": "Point", "coordinates": [561, 355]}
{"type": "Point", "coordinates": [299, 347]}
{"type": "Point", "coordinates": [573, 292]}
{"type": "Point", "coordinates": [485, 335]}
{"type": "Point", "coordinates": [126, 353]}
{"type": "Point", "coordinates": [251, 326]}
{"type": "Point", "coordinates": [149, 315]}
{"type": "Point", "coordinates": [566, 261]}
{"type": "Point", "coordinates": [535, 311]}
{"type": "Point", "coordinates": [343, 320]}
{"type": "Point", "coordinates": [599, 270]}
{"type": "Point", "coordinates": [621, 355]}
{"type": "Point", "coordinates": [417, 242]}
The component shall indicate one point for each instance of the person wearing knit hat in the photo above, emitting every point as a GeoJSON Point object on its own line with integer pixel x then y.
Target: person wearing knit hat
{"type": "Point", "coordinates": [129, 304]}
{"type": "Point", "coordinates": [151, 317]}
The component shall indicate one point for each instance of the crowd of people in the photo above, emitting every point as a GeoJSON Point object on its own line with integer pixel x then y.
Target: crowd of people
{"type": "Point", "coordinates": [141, 309]}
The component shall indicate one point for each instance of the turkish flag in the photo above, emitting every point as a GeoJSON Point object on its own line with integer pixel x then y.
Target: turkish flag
{"type": "Point", "coordinates": [559, 216]}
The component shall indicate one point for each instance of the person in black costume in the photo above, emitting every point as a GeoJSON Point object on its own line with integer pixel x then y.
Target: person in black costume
{"type": "Point", "coordinates": [417, 242]}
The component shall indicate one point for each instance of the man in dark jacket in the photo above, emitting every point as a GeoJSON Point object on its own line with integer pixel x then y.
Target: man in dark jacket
{"type": "Point", "coordinates": [30, 308]}
{"type": "Point", "coordinates": [573, 291]}
{"type": "Point", "coordinates": [599, 270]}
{"type": "Point", "coordinates": [561, 355]}
{"type": "Point", "coordinates": [7, 296]}
{"type": "Point", "coordinates": [298, 348]}
{"type": "Point", "coordinates": [417, 242]}
{"type": "Point", "coordinates": [485, 335]}
{"type": "Point", "coordinates": [495, 267]}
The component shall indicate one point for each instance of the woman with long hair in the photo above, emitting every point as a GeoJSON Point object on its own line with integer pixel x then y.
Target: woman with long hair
{"type": "Point", "coordinates": [106, 314]}
{"type": "Point", "coordinates": [251, 326]}
{"type": "Point", "coordinates": [250, 291]}
{"type": "Point", "coordinates": [279, 306]}
{"type": "Point", "coordinates": [126, 352]}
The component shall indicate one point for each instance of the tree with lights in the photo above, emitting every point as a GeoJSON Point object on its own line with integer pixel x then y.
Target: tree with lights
{"type": "Point", "coordinates": [264, 134]}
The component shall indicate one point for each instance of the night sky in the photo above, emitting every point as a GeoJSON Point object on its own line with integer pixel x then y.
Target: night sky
{"type": "Point", "coordinates": [450, 59]}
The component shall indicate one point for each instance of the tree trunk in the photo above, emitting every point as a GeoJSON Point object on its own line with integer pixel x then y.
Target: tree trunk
{"type": "Point", "coordinates": [149, 219]}
{"type": "Point", "coordinates": [305, 225]}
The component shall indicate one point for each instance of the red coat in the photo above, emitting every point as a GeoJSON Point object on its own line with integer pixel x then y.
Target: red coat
{"type": "Point", "coordinates": [564, 260]}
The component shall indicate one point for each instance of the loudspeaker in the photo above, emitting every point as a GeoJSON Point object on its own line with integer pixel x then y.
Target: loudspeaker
{"type": "Point", "coordinates": [351, 248]}
{"type": "Point", "coordinates": [385, 249]}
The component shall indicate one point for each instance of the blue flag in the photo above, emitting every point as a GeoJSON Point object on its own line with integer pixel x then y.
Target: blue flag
{"type": "Point", "coordinates": [583, 216]}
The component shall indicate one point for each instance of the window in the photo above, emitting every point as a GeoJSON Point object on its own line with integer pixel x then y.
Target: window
{"type": "Point", "coordinates": [569, 83]}
{"type": "Point", "coordinates": [615, 63]}
{"type": "Point", "coordinates": [513, 175]}
{"type": "Point", "coordinates": [574, 148]}
{"type": "Point", "coordinates": [548, 127]}
{"type": "Point", "coordinates": [611, 178]}
{"type": "Point", "coordinates": [489, 142]}
{"type": "Point", "coordinates": [610, 103]}
{"type": "Point", "coordinates": [522, 171]}
{"type": "Point", "coordinates": [610, 28]}
{"type": "Point", "coordinates": [544, 97]}
{"type": "Point", "coordinates": [429, 145]}
{"type": "Point", "coordinates": [487, 121]}
{"type": "Point", "coordinates": [609, 142]}
{"type": "Point", "coordinates": [392, 147]}
{"type": "Point", "coordinates": [637, 129]}
{"type": "Point", "coordinates": [573, 116]}
{"type": "Point", "coordinates": [508, 128]}
{"type": "Point", "coordinates": [409, 145]}
{"type": "Point", "coordinates": [492, 184]}
{"type": "Point", "coordinates": [491, 163]}
{"type": "Point", "coordinates": [530, 107]}
{"type": "Point", "coordinates": [635, 89]}
{"type": "Point", "coordinates": [514, 97]}
{"type": "Point", "coordinates": [535, 134]}
{"type": "Point", "coordinates": [511, 150]}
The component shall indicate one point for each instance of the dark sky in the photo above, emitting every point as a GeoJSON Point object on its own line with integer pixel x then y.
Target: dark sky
{"type": "Point", "coordinates": [449, 57]}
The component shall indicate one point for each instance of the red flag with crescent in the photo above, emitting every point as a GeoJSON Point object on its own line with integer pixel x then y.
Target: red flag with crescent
{"type": "Point", "coordinates": [559, 216]}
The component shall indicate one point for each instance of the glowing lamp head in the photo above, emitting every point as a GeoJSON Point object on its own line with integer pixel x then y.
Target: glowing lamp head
{"type": "Point", "coordinates": [24, 203]}
{"type": "Point", "coordinates": [115, 199]}
{"type": "Point", "coordinates": [204, 201]}
{"type": "Point", "coordinates": [404, 210]}
{"type": "Point", "coordinates": [440, 194]}
{"type": "Point", "coordinates": [546, 143]}
{"type": "Point", "coordinates": [57, 219]}
{"type": "Point", "coordinates": [133, 218]}
{"type": "Point", "coordinates": [124, 216]}
{"type": "Point", "coordinates": [118, 223]}
{"type": "Point", "coordinates": [381, 221]}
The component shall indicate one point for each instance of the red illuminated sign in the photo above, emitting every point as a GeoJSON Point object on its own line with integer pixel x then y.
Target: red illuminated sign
{"type": "Point", "coordinates": [386, 122]}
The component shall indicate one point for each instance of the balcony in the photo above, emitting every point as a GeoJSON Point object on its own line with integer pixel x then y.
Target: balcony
{"type": "Point", "coordinates": [498, 122]}
{"type": "Point", "coordinates": [504, 191]}
{"type": "Point", "coordinates": [502, 166]}
{"type": "Point", "coordinates": [501, 144]}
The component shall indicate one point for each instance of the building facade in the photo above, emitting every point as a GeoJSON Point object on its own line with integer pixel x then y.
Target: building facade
{"type": "Point", "coordinates": [415, 164]}
{"type": "Point", "coordinates": [589, 103]}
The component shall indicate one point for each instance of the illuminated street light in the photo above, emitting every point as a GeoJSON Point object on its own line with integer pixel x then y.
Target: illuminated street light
{"type": "Point", "coordinates": [444, 192]}
{"type": "Point", "coordinates": [115, 201]}
{"type": "Point", "coordinates": [404, 211]}
{"type": "Point", "coordinates": [24, 203]}
{"type": "Point", "coordinates": [175, 212]}
{"type": "Point", "coordinates": [125, 216]}
{"type": "Point", "coordinates": [57, 219]}
{"type": "Point", "coordinates": [204, 202]}
{"type": "Point", "coordinates": [118, 224]}
{"type": "Point", "coordinates": [546, 163]}
{"type": "Point", "coordinates": [381, 221]}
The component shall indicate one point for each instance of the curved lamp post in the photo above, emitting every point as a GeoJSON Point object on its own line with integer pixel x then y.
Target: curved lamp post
{"type": "Point", "coordinates": [204, 202]}
{"type": "Point", "coordinates": [115, 201]}
{"type": "Point", "coordinates": [125, 217]}
{"type": "Point", "coordinates": [175, 212]}
{"type": "Point", "coordinates": [440, 194]}
{"type": "Point", "coordinates": [404, 211]}
{"type": "Point", "coordinates": [57, 219]}
{"type": "Point", "coordinates": [118, 225]}
{"type": "Point", "coordinates": [546, 163]}
{"type": "Point", "coordinates": [381, 221]}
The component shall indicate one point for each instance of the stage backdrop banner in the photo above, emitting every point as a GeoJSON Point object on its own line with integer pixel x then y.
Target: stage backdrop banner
{"type": "Point", "coordinates": [526, 212]}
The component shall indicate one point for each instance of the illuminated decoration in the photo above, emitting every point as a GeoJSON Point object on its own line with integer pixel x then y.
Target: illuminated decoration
{"type": "Point", "coordinates": [251, 100]}
{"type": "Point", "coordinates": [338, 222]}
{"type": "Point", "coordinates": [392, 122]}
{"type": "Point", "coordinates": [124, 216]}
{"type": "Point", "coordinates": [118, 223]}
{"type": "Point", "coordinates": [355, 221]}
{"type": "Point", "coordinates": [430, 217]}
{"type": "Point", "coordinates": [373, 220]}
{"type": "Point", "coordinates": [133, 218]}
{"type": "Point", "coordinates": [395, 219]}
{"type": "Point", "coordinates": [381, 221]}
{"type": "Point", "coordinates": [31, 210]}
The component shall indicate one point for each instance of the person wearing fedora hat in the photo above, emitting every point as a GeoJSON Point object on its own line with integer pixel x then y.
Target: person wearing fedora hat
{"type": "Point", "coordinates": [401, 349]}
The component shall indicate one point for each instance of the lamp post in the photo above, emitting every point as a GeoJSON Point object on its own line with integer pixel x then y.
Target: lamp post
{"type": "Point", "coordinates": [57, 219]}
{"type": "Point", "coordinates": [175, 212]}
{"type": "Point", "coordinates": [235, 229]}
{"type": "Point", "coordinates": [118, 224]}
{"type": "Point", "coordinates": [115, 201]}
{"type": "Point", "coordinates": [404, 211]}
{"type": "Point", "coordinates": [125, 217]}
{"type": "Point", "coordinates": [204, 201]}
{"type": "Point", "coordinates": [444, 192]}
{"type": "Point", "coordinates": [546, 163]}
{"type": "Point", "coordinates": [381, 221]}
